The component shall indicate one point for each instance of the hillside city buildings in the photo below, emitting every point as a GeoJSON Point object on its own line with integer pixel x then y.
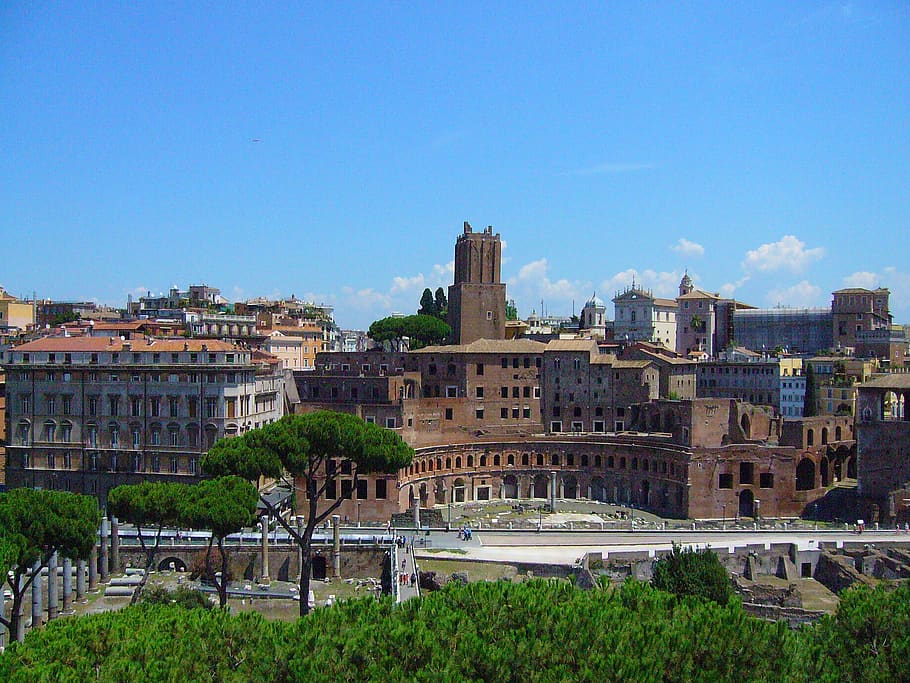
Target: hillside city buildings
{"type": "Point", "coordinates": [698, 406]}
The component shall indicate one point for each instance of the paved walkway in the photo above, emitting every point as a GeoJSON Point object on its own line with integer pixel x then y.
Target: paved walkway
{"type": "Point", "coordinates": [566, 548]}
{"type": "Point", "coordinates": [406, 567]}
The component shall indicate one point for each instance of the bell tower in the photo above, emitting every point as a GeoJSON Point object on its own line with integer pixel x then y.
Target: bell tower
{"type": "Point", "coordinates": [477, 298]}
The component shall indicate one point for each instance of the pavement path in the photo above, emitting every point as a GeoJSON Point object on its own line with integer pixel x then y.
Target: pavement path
{"type": "Point", "coordinates": [567, 548]}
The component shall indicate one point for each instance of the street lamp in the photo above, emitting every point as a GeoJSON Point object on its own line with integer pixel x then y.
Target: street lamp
{"type": "Point", "coordinates": [450, 516]}
{"type": "Point", "coordinates": [724, 507]}
{"type": "Point", "coordinates": [815, 514]}
{"type": "Point", "coordinates": [358, 514]}
{"type": "Point", "coordinates": [539, 517]}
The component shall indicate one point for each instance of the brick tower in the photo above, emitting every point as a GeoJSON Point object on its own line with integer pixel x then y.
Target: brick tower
{"type": "Point", "coordinates": [477, 299]}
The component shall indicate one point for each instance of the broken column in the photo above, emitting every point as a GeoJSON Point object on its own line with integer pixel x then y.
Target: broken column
{"type": "Point", "coordinates": [105, 554]}
{"type": "Point", "coordinates": [115, 545]}
{"type": "Point", "coordinates": [67, 585]}
{"type": "Point", "coordinates": [336, 547]}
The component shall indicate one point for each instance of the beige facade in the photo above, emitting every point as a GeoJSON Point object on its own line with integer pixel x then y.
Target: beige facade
{"type": "Point", "coordinates": [85, 414]}
{"type": "Point", "coordinates": [640, 316]}
{"type": "Point", "coordinates": [16, 314]}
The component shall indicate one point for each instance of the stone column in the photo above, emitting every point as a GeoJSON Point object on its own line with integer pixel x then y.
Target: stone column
{"type": "Point", "coordinates": [93, 568]}
{"type": "Point", "coordinates": [67, 585]}
{"type": "Point", "coordinates": [336, 547]}
{"type": "Point", "coordinates": [115, 545]}
{"type": "Point", "coordinates": [105, 555]}
{"type": "Point", "coordinates": [37, 609]}
{"type": "Point", "coordinates": [417, 512]}
{"type": "Point", "coordinates": [20, 632]}
{"type": "Point", "coordinates": [53, 595]}
{"type": "Point", "coordinates": [553, 491]}
{"type": "Point", "coordinates": [80, 580]}
{"type": "Point", "coordinates": [264, 524]}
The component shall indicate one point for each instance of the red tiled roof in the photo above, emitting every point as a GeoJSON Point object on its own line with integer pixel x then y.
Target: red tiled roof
{"type": "Point", "coordinates": [95, 344]}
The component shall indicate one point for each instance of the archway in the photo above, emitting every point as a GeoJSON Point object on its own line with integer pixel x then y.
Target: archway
{"type": "Point", "coordinates": [805, 475]}
{"type": "Point", "coordinates": [644, 497]}
{"type": "Point", "coordinates": [851, 467]}
{"type": "Point", "coordinates": [823, 470]}
{"type": "Point", "coordinates": [746, 503]}
{"type": "Point", "coordinates": [598, 489]}
{"type": "Point", "coordinates": [541, 486]}
{"type": "Point", "coordinates": [510, 486]}
{"type": "Point", "coordinates": [458, 491]}
{"type": "Point", "coordinates": [172, 564]}
{"type": "Point", "coordinates": [569, 487]}
{"type": "Point", "coordinates": [746, 425]}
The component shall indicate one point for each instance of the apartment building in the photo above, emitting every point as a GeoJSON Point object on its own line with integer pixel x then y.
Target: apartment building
{"type": "Point", "coordinates": [85, 414]}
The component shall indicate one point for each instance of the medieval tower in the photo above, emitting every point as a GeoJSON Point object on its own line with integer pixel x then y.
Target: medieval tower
{"type": "Point", "coordinates": [477, 299]}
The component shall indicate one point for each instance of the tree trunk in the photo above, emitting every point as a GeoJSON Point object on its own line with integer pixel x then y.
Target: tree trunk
{"type": "Point", "coordinates": [222, 585]}
{"type": "Point", "coordinates": [305, 543]}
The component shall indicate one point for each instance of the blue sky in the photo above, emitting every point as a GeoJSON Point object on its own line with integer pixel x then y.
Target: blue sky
{"type": "Point", "coordinates": [333, 150]}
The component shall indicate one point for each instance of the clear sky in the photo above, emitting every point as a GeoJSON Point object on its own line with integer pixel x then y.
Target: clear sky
{"type": "Point", "coordinates": [332, 150]}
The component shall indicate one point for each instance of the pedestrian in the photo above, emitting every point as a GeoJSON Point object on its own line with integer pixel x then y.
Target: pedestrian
{"type": "Point", "coordinates": [404, 562]}
{"type": "Point", "coordinates": [414, 579]}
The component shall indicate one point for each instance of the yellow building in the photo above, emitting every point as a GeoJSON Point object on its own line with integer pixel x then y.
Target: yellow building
{"type": "Point", "coordinates": [15, 313]}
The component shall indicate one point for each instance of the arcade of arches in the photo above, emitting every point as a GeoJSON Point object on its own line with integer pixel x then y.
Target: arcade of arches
{"type": "Point", "coordinates": [649, 472]}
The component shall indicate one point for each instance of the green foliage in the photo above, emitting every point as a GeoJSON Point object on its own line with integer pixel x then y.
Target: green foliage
{"type": "Point", "coordinates": [34, 524]}
{"type": "Point", "coordinates": [422, 330]}
{"type": "Point", "coordinates": [184, 597]}
{"type": "Point", "coordinates": [427, 304]}
{"type": "Point", "coordinates": [301, 446]}
{"type": "Point", "coordinates": [511, 310]}
{"type": "Point", "coordinates": [867, 640]}
{"type": "Point", "coordinates": [442, 303]}
{"type": "Point", "coordinates": [537, 631]}
{"type": "Point", "coordinates": [696, 573]}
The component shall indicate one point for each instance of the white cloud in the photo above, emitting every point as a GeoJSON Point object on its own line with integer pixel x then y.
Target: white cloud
{"type": "Point", "coordinates": [406, 284]}
{"type": "Point", "coordinates": [661, 283]}
{"type": "Point", "coordinates": [801, 295]}
{"type": "Point", "coordinates": [863, 279]}
{"type": "Point", "coordinates": [533, 284]}
{"type": "Point", "coordinates": [727, 289]}
{"type": "Point", "coordinates": [789, 253]}
{"type": "Point", "coordinates": [688, 248]}
{"type": "Point", "coordinates": [898, 282]}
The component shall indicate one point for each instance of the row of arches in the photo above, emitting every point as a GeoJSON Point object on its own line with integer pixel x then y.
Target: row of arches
{"type": "Point", "coordinates": [659, 495]}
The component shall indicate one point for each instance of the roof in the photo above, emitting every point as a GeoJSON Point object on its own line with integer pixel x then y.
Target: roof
{"type": "Point", "coordinates": [665, 302]}
{"type": "Point", "coordinates": [488, 346]}
{"type": "Point", "coordinates": [698, 294]}
{"type": "Point", "coordinates": [603, 359]}
{"type": "Point", "coordinates": [896, 380]}
{"type": "Point", "coordinates": [631, 364]}
{"type": "Point", "coordinates": [572, 345]}
{"type": "Point", "coordinates": [862, 290]}
{"type": "Point", "coordinates": [94, 344]}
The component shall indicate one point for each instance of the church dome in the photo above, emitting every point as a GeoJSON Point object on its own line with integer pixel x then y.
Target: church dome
{"type": "Point", "coordinates": [595, 302]}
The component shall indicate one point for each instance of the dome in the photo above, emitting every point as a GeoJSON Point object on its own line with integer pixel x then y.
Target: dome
{"type": "Point", "coordinates": [595, 302]}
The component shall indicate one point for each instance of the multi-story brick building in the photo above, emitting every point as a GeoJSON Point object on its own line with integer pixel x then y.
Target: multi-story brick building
{"type": "Point", "coordinates": [746, 375]}
{"type": "Point", "coordinates": [855, 310]}
{"type": "Point", "coordinates": [477, 298]}
{"type": "Point", "coordinates": [85, 414]}
{"type": "Point", "coordinates": [584, 390]}
{"type": "Point", "coordinates": [883, 444]}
